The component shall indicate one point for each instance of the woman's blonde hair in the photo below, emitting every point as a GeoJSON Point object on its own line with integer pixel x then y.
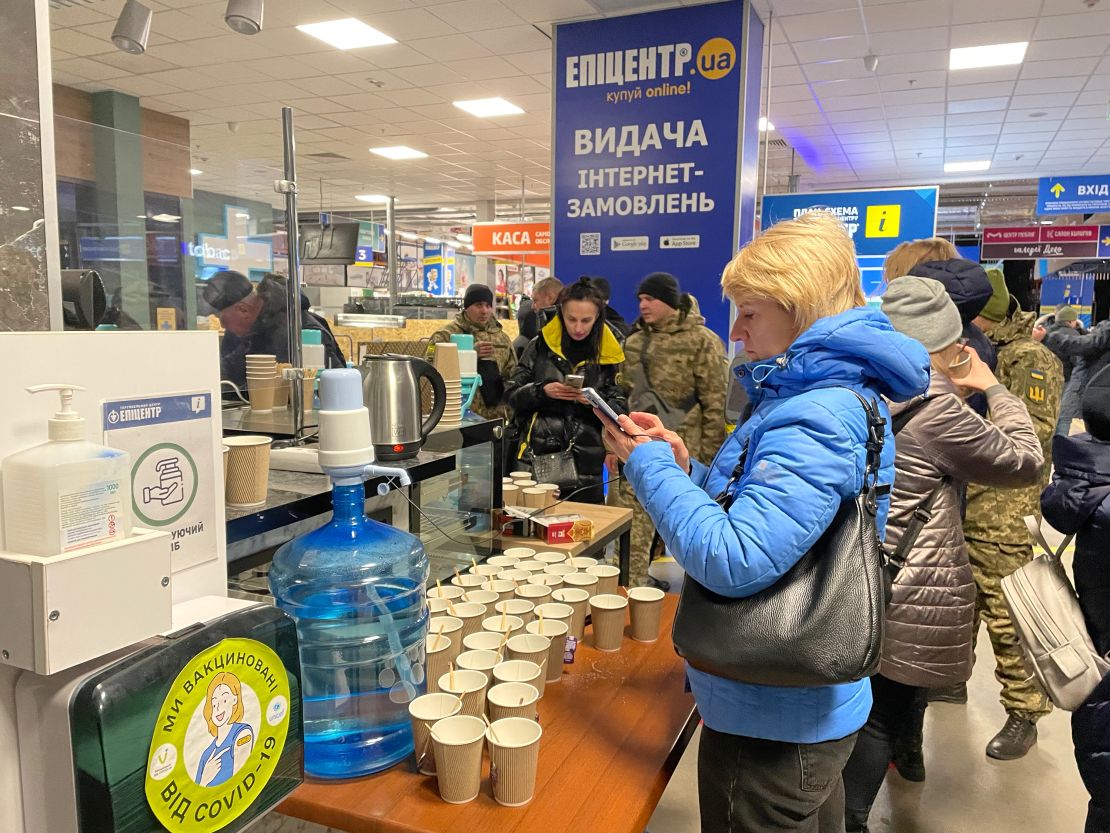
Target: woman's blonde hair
{"type": "Point", "coordinates": [806, 265]}
{"type": "Point", "coordinates": [907, 255]}
{"type": "Point", "coordinates": [232, 682]}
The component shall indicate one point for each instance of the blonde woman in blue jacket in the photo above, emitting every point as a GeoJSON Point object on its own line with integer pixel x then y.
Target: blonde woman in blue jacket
{"type": "Point", "coordinates": [771, 758]}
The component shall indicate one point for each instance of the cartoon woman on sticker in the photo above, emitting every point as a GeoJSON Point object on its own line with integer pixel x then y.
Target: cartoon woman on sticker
{"type": "Point", "coordinates": [232, 740]}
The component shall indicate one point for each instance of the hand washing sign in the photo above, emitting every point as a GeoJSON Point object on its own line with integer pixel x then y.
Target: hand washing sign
{"type": "Point", "coordinates": [647, 139]}
{"type": "Point", "coordinates": [170, 442]}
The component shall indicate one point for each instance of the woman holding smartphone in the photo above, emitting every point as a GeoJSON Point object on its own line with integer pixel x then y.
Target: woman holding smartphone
{"type": "Point", "coordinates": [575, 349]}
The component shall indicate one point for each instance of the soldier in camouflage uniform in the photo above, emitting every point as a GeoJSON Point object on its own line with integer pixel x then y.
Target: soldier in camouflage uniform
{"type": "Point", "coordinates": [997, 539]}
{"type": "Point", "coordinates": [496, 357]}
{"type": "Point", "coordinates": [675, 367]}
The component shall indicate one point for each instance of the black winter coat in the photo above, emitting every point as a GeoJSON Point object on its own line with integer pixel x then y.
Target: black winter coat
{"type": "Point", "coordinates": [547, 425]}
{"type": "Point", "coordinates": [1089, 353]}
{"type": "Point", "coordinates": [1078, 501]}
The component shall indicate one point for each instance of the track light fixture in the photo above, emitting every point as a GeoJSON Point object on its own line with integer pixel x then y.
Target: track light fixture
{"type": "Point", "coordinates": [132, 28]}
{"type": "Point", "coordinates": [244, 16]}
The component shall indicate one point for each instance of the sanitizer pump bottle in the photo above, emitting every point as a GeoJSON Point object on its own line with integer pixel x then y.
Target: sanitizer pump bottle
{"type": "Point", "coordinates": [67, 493]}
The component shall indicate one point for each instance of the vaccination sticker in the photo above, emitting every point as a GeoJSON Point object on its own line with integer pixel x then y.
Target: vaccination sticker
{"type": "Point", "coordinates": [219, 736]}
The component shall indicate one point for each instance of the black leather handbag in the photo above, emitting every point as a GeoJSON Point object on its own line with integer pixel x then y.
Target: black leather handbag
{"type": "Point", "coordinates": [821, 623]}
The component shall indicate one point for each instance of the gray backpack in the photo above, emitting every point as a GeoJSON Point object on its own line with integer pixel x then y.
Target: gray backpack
{"type": "Point", "coordinates": [1045, 611]}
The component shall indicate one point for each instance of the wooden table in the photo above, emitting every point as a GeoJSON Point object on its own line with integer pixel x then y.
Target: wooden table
{"type": "Point", "coordinates": [610, 523]}
{"type": "Point", "coordinates": [614, 728]}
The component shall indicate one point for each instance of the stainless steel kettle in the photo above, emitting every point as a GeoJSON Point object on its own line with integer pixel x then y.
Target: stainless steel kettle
{"type": "Point", "coordinates": [391, 390]}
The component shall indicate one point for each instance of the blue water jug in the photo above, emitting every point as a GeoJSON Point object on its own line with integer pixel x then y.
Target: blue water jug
{"type": "Point", "coordinates": [356, 589]}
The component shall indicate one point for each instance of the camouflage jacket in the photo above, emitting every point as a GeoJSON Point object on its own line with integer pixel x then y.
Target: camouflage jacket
{"type": "Point", "coordinates": [686, 367]}
{"type": "Point", "coordinates": [504, 357]}
{"type": "Point", "coordinates": [1032, 373]}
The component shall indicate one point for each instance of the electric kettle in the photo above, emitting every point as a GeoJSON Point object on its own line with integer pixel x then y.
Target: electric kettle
{"type": "Point", "coordinates": [391, 390]}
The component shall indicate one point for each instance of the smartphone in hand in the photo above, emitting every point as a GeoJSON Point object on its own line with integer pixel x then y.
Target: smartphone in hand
{"type": "Point", "coordinates": [575, 380]}
{"type": "Point", "coordinates": [595, 400]}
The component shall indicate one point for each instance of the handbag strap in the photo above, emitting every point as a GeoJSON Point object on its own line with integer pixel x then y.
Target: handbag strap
{"type": "Point", "coordinates": [1034, 528]}
{"type": "Point", "coordinates": [690, 402]}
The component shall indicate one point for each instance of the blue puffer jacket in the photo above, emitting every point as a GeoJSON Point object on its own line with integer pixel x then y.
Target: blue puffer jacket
{"type": "Point", "coordinates": [806, 455]}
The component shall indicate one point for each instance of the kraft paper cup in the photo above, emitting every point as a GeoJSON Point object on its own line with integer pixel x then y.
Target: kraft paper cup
{"type": "Point", "coordinates": [248, 470]}
{"type": "Point", "coordinates": [503, 624]}
{"type": "Point", "coordinates": [467, 580]}
{"type": "Point", "coordinates": [227, 451]}
{"type": "Point", "coordinates": [526, 484]}
{"type": "Point", "coordinates": [308, 388]}
{"type": "Point", "coordinates": [510, 496]}
{"type": "Point", "coordinates": [520, 608]}
{"type": "Point", "coordinates": [551, 557]}
{"type": "Point", "coordinates": [535, 593]}
{"type": "Point", "coordinates": [262, 392]}
{"type": "Point", "coordinates": [281, 397]}
{"type": "Point", "coordinates": [439, 653]}
{"type": "Point", "coordinates": [520, 475]}
{"type": "Point", "coordinates": [512, 700]}
{"type": "Point", "coordinates": [559, 570]}
{"type": "Point", "coordinates": [457, 743]}
{"type": "Point", "coordinates": [579, 601]}
{"type": "Point", "coordinates": [483, 661]}
{"type": "Point", "coordinates": [546, 580]}
{"type": "Point", "coordinates": [450, 627]}
{"type": "Point", "coordinates": [583, 562]}
{"type": "Point", "coordinates": [504, 561]}
{"type": "Point", "coordinates": [556, 632]}
{"type": "Point", "coordinates": [533, 648]}
{"type": "Point", "coordinates": [485, 570]}
{"type": "Point", "coordinates": [583, 581]}
{"type": "Point", "coordinates": [483, 641]}
{"type": "Point", "coordinates": [514, 575]}
{"type": "Point", "coordinates": [555, 610]}
{"type": "Point", "coordinates": [423, 712]}
{"type": "Point", "coordinates": [645, 608]}
{"type": "Point", "coordinates": [438, 606]}
{"type": "Point", "coordinates": [504, 589]}
{"type": "Point", "coordinates": [470, 687]}
{"type": "Point", "coordinates": [471, 615]}
{"type": "Point", "coordinates": [551, 494]}
{"type": "Point", "coordinates": [446, 591]}
{"type": "Point", "coordinates": [514, 752]}
{"type": "Point", "coordinates": [482, 597]}
{"type": "Point", "coordinates": [519, 671]}
{"type": "Point", "coordinates": [607, 576]}
{"type": "Point", "coordinates": [532, 565]}
{"type": "Point", "coordinates": [446, 361]}
{"type": "Point", "coordinates": [520, 553]}
{"type": "Point", "coordinates": [608, 612]}
{"type": "Point", "coordinates": [533, 497]}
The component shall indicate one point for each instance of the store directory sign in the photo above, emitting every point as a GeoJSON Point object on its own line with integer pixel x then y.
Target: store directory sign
{"type": "Point", "coordinates": [1036, 242]}
{"type": "Point", "coordinates": [877, 220]}
{"type": "Point", "coordinates": [647, 136]}
{"type": "Point", "coordinates": [1073, 194]}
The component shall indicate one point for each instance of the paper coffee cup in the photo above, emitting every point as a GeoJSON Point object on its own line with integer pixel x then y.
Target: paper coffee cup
{"type": "Point", "coordinates": [520, 608]}
{"type": "Point", "coordinates": [514, 575]}
{"type": "Point", "coordinates": [248, 470]}
{"type": "Point", "coordinates": [551, 557]}
{"type": "Point", "coordinates": [645, 608]}
{"type": "Point", "coordinates": [607, 576]}
{"type": "Point", "coordinates": [512, 700]}
{"type": "Point", "coordinates": [608, 612]}
{"type": "Point", "coordinates": [439, 653]}
{"type": "Point", "coordinates": [482, 597]}
{"type": "Point", "coordinates": [531, 565]}
{"type": "Point", "coordinates": [555, 610]}
{"type": "Point", "coordinates": [546, 580]}
{"type": "Point", "coordinates": [446, 591]}
{"type": "Point", "coordinates": [505, 562]}
{"type": "Point", "coordinates": [533, 648]}
{"type": "Point", "coordinates": [556, 632]}
{"type": "Point", "coordinates": [520, 553]}
{"type": "Point", "coordinates": [483, 661]}
{"type": "Point", "coordinates": [423, 712]}
{"type": "Point", "coordinates": [583, 562]}
{"type": "Point", "coordinates": [446, 361]}
{"type": "Point", "coordinates": [262, 392]}
{"type": "Point", "coordinates": [533, 497]}
{"type": "Point", "coordinates": [510, 496]}
{"type": "Point", "coordinates": [468, 580]}
{"type": "Point", "coordinates": [504, 589]}
{"type": "Point", "coordinates": [471, 615]}
{"type": "Point", "coordinates": [559, 570]}
{"type": "Point", "coordinates": [469, 686]}
{"type": "Point", "coordinates": [526, 484]}
{"type": "Point", "coordinates": [438, 606]}
{"type": "Point", "coordinates": [520, 475]}
{"type": "Point", "coordinates": [514, 749]}
{"type": "Point", "coordinates": [457, 743]}
{"type": "Point", "coordinates": [450, 627]}
{"type": "Point", "coordinates": [583, 581]}
{"type": "Point", "coordinates": [519, 671]}
{"type": "Point", "coordinates": [579, 601]}
{"type": "Point", "coordinates": [535, 593]}
{"type": "Point", "coordinates": [485, 570]}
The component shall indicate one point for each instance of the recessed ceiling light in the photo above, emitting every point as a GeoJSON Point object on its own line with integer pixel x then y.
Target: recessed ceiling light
{"type": "Point", "coordinates": [487, 107]}
{"type": "Point", "coordinates": [407, 235]}
{"type": "Point", "coordinates": [964, 167]}
{"type": "Point", "coordinates": [765, 125]}
{"type": "Point", "coordinates": [466, 238]}
{"type": "Point", "coordinates": [399, 152]}
{"type": "Point", "coordinates": [374, 198]}
{"type": "Point", "coordinates": [348, 33]}
{"type": "Point", "coordinates": [995, 55]}
{"type": "Point", "coordinates": [195, 172]}
{"type": "Point", "coordinates": [435, 241]}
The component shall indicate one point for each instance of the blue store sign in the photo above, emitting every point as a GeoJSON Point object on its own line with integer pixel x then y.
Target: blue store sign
{"type": "Point", "coordinates": [647, 141]}
{"type": "Point", "coordinates": [1073, 194]}
{"type": "Point", "coordinates": [877, 220]}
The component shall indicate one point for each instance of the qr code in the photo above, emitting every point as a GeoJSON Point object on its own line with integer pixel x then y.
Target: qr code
{"type": "Point", "coordinates": [590, 243]}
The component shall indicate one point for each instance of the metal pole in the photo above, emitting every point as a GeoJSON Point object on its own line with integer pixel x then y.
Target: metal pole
{"type": "Point", "coordinates": [391, 252]}
{"type": "Point", "coordinates": [293, 306]}
{"type": "Point", "coordinates": [767, 101]}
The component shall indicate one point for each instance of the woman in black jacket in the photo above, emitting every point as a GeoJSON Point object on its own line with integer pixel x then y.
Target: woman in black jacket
{"type": "Point", "coordinates": [1078, 502]}
{"type": "Point", "coordinates": [552, 416]}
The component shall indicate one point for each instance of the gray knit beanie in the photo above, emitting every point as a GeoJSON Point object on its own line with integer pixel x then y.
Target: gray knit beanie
{"type": "Point", "coordinates": [921, 309]}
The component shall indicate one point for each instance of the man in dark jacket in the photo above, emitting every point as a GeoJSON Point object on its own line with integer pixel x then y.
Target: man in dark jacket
{"type": "Point", "coordinates": [1078, 502]}
{"type": "Point", "coordinates": [534, 312]}
{"type": "Point", "coordinates": [1089, 352]}
{"type": "Point", "coordinates": [255, 320]}
{"type": "Point", "coordinates": [613, 318]}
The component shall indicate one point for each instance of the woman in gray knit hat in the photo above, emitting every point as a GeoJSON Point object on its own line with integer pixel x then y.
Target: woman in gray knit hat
{"type": "Point", "coordinates": [941, 444]}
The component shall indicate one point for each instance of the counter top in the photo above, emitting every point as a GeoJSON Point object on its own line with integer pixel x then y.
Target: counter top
{"type": "Point", "coordinates": [614, 728]}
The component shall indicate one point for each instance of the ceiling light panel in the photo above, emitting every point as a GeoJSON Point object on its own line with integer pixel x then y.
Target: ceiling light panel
{"type": "Point", "coordinates": [994, 55]}
{"type": "Point", "coordinates": [488, 107]}
{"type": "Point", "coordinates": [346, 33]}
{"type": "Point", "coordinates": [966, 167]}
{"type": "Point", "coordinates": [399, 152]}
{"type": "Point", "coordinates": [377, 199]}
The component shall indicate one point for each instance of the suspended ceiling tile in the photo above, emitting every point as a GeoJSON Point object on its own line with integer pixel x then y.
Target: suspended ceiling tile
{"type": "Point", "coordinates": [507, 40]}
{"type": "Point", "coordinates": [994, 90]}
{"type": "Point", "coordinates": [995, 31]}
{"type": "Point", "coordinates": [986, 11]}
{"type": "Point", "coordinates": [1047, 50]}
{"type": "Point", "coordinates": [1059, 69]}
{"type": "Point", "coordinates": [1049, 86]}
{"type": "Point", "coordinates": [1073, 25]}
{"type": "Point", "coordinates": [978, 105]}
{"type": "Point", "coordinates": [807, 27]}
{"type": "Point", "coordinates": [473, 15]}
{"type": "Point", "coordinates": [891, 17]}
{"type": "Point", "coordinates": [983, 76]}
{"type": "Point", "coordinates": [889, 46]}
{"type": "Point", "coordinates": [480, 69]}
{"type": "Point", "coordinates": [532, 62]}
{"type": "Point", "coordinates": [394, 55]}
{"type": "Point", "coordinates": [449, 47]}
